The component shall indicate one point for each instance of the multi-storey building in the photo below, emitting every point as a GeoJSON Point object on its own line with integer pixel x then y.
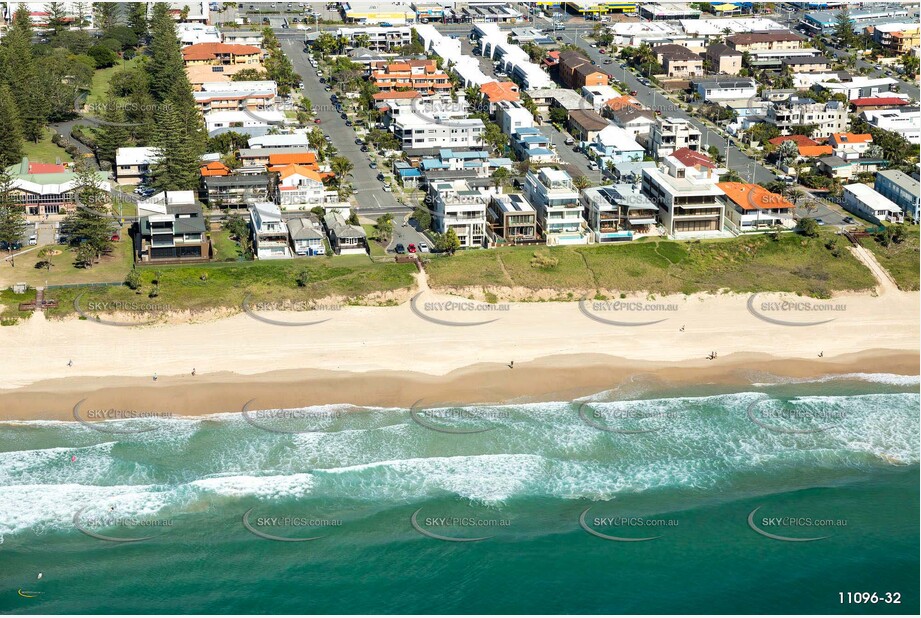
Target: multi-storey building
{"type": "Point", "coordinates": [688, 199]}
{"type": "Point", "coordinates": [171, 227]}
{"type": "Point", "coordinates": [765, 41]}
{"type": "Point", "coordinates": [423, 76]}
{"type": "Point", "coordinates": [618, 212]}
{"type": "Point", "coordinates": [828, 118]}
{"type": "Point", "coordinates": [901, 188]}
{"type": "Point", "coordinates": [669, 134]}
{"type": "Point", "coordinates": [456, 206]}
{"type": "Point", "coordinates": [221, 54]}
{"type": "Point", "coordinates": [270, 234]}
{"type": "Point", "coordinates": [556, 200]}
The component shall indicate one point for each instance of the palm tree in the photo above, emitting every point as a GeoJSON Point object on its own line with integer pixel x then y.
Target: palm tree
{"type": "Point", "coordinates": [317, 141]}
{"type": "Point", "coordinates": [581, 182]}
{"type": "Point", "coordinates": [342, 168]}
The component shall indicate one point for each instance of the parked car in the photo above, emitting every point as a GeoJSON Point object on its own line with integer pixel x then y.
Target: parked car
{"type": "Point", "coordinates": [348, 123]}
{"type": "Point", "coordinates": [569, 141]}
{"type": "Point", "coordinates": [316, 121]}
{"type": "Point", "coordinates": [372, 165]}
{"type": "Point", "coordinates": [380, 176]}
{"type": "Point", "coordinates": [33, 239]}
{"type": "Point", "coordinates": [344, 116]}
{"type": "Point", "coordinates": [400, 248]}
{"type": "Point", "coordinates": [849, 220]}
{"type": "Point", "coordinates": [820, 221]}
{"type": "Point", "coordinates": [411, 248]}
{"type": "Point", "coordinates": [388, 188]}
{"type": "Point", "coordinates": [364, 148]}
{"type": "Point", "coordinates": [608, 61]}
{"type": "Point", "coordinates": [423, 247]}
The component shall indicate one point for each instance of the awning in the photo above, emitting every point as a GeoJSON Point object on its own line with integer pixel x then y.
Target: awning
{"type": "Point", "coordinates": [650, 221]}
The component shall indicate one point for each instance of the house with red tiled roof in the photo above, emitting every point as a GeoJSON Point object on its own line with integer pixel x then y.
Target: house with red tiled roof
{"type": "Point", "coordinates": [221, 54]}
{"type": "Point", "coordinates": [815, 151]}
{"type": "Point", "coordinates": [494, 92]}
{"type": "Point", "coordinates": [752, 208]}
{"type": "Point", "coordinates": [801, 140]}
{"type": "Point", "coordinates": [693, 158]}
{"type": "Point", "coordinates": [623, 101]}
{"type": "Point", "coordinates": [867, 104]}
{"type": "Point", "coordinates": [302, 186]}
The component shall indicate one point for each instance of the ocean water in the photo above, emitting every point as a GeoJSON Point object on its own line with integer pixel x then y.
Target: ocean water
{"type": "Point", "coordinates": [519, 508]}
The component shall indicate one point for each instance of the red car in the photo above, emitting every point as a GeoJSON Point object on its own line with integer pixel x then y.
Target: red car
{"type": "Point", "coordinates": [411, 248]}
{"type": "Point", "coordinates": [316, 121]}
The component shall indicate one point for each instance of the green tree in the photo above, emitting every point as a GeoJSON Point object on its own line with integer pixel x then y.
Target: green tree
{"type": "Point", "coordinates": [581, 183]}
{"type": "Point", "coordinates": [57, 17]}
{"type": "Point", "coordinates": [107, 15]}
{"type": "Point", "coordinates": [46, 257]}
{"type": "Point", "coordinates": [113, 134]}
{"type": "Point", "coordinates": [177, 166]}
{"type": "Point", "coordinates": [342, 168]}
{"type": "Point", "coordinates": [137, 18]}
{"type": "Point", "coordinates": [12, 216]}
{"type": "Point", "coordinates": [384, 228]}
{"type": "Point", "coordinates": [808, 227]}
{"type": "Point", "coordinates": [11, 133]}
{"type": "Point", "coordinates": [559, 115]}
{"type": "Point", "coordinates": [844, 28]}
{"type": "Point", "coordinates": [448, 242]}
{"type": "Point", "coordinates": [500, 177]}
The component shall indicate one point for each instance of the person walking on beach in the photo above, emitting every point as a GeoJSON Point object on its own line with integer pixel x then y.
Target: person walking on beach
{"type": "Point", "coordinates": [155, 376]}
{"type": "Point", "coordinates": [70, 363]}
{"type": "Point", "coordinates": [511, 365]}
{"type": "Point", "coordinates": [193, 372]}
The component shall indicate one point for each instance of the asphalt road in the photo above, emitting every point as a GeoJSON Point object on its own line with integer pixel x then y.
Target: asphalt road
{"type": "Point", "coordinates": [367, 189]}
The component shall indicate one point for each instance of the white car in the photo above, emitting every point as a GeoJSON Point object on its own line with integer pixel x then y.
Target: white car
{"type": "Point", "coordinates": [388, 188]}
{"type": "Point", "coordinates": [423, 247]}
{"type": "Point", "coordinates": [33, 240]}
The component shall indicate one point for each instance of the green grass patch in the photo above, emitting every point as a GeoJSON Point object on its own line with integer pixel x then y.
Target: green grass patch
{"type": "Point", "coordinates": [29, 269]}
{"type": "Point", "coordinates": [215, 285]}
{"type": "Point", "coordinates": [900, 259]}
{"type": "Point", "coordinates": [101, 78]}
{"type": "Point", "coordinates": [225, 248]}
{"type": "Point", "coordinates": [45, 151]}
{"type": "Point", "coordinates": [792, 263]}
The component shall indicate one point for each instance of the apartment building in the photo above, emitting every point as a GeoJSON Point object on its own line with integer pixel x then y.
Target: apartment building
{"type": "Point", "coordinates": [233, 36]}
{"type": "Point", "coordinates": [897, 38]}
{"type": "Point", "coordinates": [901, 188]}
{"type": "Point", "coordinates": [678, 61]}
{"type": "Point", "coordinates": [378, 38]}
{"type": "Point", "coordinates": [669, 134]}
{"type": "Point", "coordinates": [577, 71]}
{"type": "Point", "coordinates": [723, 59]}
{"type": "Point", "coordinates": [423, 76]}
{"type": "Point", "coordinates": [221, 54]}
{"type": "Point", "coordinates": [725, 88]}
{"type": "Point", "coordinates": [765, 41]}
{"type": "Point", "coordinates": [435, 125]}
{"type": "Point", "coordinates": [828, 118]}
{"type": "Point", "coordinates": [556, 200]}
{"type": "Point", "coordinates": [617, 213]}
{"type": "Point", "coordinates": [457, 206]}
{"type": "Point", "coordinates": [236, 96]}
{"type": "Point", "coordinates": [689, 200]}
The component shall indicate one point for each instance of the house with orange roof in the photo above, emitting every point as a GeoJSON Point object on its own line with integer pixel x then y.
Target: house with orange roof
{"type": "Point", "coordinates": [751, 208]}
{"type": "Point", "coordinates": [215, 168]}
{"type": "Point", "coordinates": [301, 187]}
{"type": "Point", "coordinates": [423, 76]}
{"type": "Point", "coordinates": [618, 103]}
{"type": "Point", "coordinates": [850, 146]}
{"type": "Point", "coordinates": [496, 92]}
{"type": "Point", "coordinates": [221, 54]}
{"type": "Point", "coordinates": [801, 140]}
{"type": "Point", "coordinates": [305, 159]}
{"type": "Point", "coordinates": [810, 152]}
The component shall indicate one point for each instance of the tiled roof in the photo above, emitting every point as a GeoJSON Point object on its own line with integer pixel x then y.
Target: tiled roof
{"type": "Point", "coordinates": [801, 140]}
{"type": "Point", "coordinates": [752, 197]}
{"type": "Point", "coordinates": [209, 51]}
{"type": "Point", "coordinates": [692, 158]}
{"type": "Point", "coordinates": [815, 151]}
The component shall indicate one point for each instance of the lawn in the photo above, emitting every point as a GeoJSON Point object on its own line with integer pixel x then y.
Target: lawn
{"type": "Point", "coordinates": [225, 249]}
{"type": "Point", "coordinates": [203, 287]}
{"type": "Point", "coordinates": [810, 266]}
{"type": "Point", "coordinates": [45, 151]}
{"type": "Point", "coordinates": [28, 269]}
{"type": "Point", "coordinates": [100, 84]}
{"type": "Point", "coordinates": [374, 246]}
{"type": "Point", "coordinates": [900, 259]}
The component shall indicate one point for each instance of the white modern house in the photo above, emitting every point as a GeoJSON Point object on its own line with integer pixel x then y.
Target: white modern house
{"type": "Point", "coordinates": [270, 233]}
{"type": "Point", "coordinates": [689, 201]}
{"type": "Point", "coordinates": [905, 121]}
{"type": "Point", "coordinates": [243, 121]}
{"type": "Point", "coordinates": [457, 206]}
{"type": "Point", "coordinates": [867, 203]}
{"type": "Point", "coordinates": [300, 187]}
{"type": "Point", "coordinates": [725, 88]}
{"type": "Point", "coordinates": [669, 134]}
{"type": "Point", "coordinates": [289, 140]}
{"type": "Point", "coordinates": [512, 116]}
{"type": "Point", "coordinates": [559, 212]}
{"type": "Point", "coordinates": [615, 145]}
{"type": "Point", "coordinates": [432, 125]}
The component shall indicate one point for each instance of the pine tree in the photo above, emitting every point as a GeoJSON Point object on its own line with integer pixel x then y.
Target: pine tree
{"type": "Point", "coordinates": [137, 18]}
{"type": "Point", "coordinates": [17, 68]}
{"type": "Point", "coordinates": [107, 15]}
{"type": "Point", "coordinates": [12, 216]}
{"type": "Point", "coordinates": [34, 116]}
{"type": "Point", "coordinates": [177, 167]}
{"type": "Point", "coordinates": [11, 133]}
{"type": "Point", "coordinates": [57, 17]}
{"type": "Point", "coordinates": [112, 134]}
{"type": "Point", "coordinates": [166, 65]}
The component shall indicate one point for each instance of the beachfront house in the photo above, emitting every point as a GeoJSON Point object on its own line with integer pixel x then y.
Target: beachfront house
{"type": "Point", "coordinates": [270, 233]}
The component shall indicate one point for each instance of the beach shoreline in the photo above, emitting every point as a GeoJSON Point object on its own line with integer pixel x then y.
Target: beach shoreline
{"type": "Point", "coordinates": [554, 378]}
{"type": "Point", "coordinates": [398, 355]}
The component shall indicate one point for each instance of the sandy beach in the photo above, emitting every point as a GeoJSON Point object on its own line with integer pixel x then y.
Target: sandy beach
{"type": "Point", "coordinates": [385, 356]}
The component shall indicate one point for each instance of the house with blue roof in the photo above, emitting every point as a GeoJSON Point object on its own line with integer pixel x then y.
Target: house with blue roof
{"type": "Point", "coordinates": [530, 144]}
